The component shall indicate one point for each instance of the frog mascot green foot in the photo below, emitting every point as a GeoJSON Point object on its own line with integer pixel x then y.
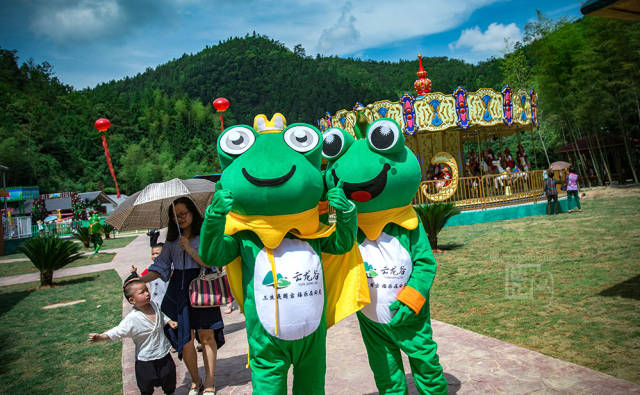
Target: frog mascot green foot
{"type": "Point", "coordinates": [382, 176]}
{"type": "Point", "coordinates": [285, 268]}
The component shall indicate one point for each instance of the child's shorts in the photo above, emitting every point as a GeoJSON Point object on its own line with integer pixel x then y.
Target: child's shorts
{"type": "Point", "coordinates": [157, 373]}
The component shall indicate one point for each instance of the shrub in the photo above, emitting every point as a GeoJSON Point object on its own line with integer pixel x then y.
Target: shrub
{"type": "Point", "coordinates": [50, 253]}
{"type": "Point", "coordinates": [433, 217]}
{"type": "Point", "coordinates": [83, 234]}
{"type": "Point", "coordinates": [107, 229]}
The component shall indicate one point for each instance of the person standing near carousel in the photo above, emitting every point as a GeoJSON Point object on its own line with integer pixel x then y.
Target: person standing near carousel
{"type": "Point", "coordinates": [572, 189]}
{"type": "Point", "coordinates": [181, 250]}
{"type": "Point", "coordinates": [552, 194]}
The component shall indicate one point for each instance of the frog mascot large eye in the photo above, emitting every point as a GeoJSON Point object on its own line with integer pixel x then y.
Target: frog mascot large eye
{"type": "Point", "coordinates": [284, 266]}
{"type": "Point", "coordinates": [382, 176]}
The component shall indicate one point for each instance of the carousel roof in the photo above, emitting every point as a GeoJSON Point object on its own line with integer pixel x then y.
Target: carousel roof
{"type": "Point", "coordinates": [483, 112]}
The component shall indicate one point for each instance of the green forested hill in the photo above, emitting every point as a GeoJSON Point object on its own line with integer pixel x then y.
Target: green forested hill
{"type": "Point", "coordinates": [163, 125]}
{"type": "Point", "coordinates": [162, 122]}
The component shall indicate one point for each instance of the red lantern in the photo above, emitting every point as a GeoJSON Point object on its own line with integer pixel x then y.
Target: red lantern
{"type": "Point", "coordinates": [221, 104]}
{"type": "Point", "coordinates": [102, 124]}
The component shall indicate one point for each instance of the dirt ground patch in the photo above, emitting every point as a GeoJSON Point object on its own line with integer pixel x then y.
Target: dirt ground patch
{"type": "Point", "coordinates": [609, 192]}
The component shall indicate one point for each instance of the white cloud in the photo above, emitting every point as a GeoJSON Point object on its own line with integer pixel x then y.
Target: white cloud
{"type": "Point", "coordinates": [343, 34]}
{"type": "Point", "coordinates": [492, 41]}
{"type": "Point", "coordinates": [346, 27]}
{"type": "Point", "coordinates": [381, 22]}
{"type": "Point", "coordinates": [88, 21]}
{"type": "Point", "coordinates": [85, 19]}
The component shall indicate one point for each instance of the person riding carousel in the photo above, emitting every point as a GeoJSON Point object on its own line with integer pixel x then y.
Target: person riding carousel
{"type": "Point", "coordinates": [474, 163]}
{"type": "Point", "coordinates": [508, 158]}
{"type": "Point", "coordinates": [490, 157]}
{"type": "Point", "coordinates": [443, 177]}
{"type": "Point", "coordinates": [521, 158]}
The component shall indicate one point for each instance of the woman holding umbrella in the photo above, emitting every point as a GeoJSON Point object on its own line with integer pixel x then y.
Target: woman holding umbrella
{"type": "Point", "coordinates": [181, 251]}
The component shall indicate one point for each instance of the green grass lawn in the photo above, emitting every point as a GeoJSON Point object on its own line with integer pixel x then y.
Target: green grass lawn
{"type": "Point", "coordinates": [23, 267]}
{"type": "Point", "coordinates": [567, 286]}
{"type": "Point", "coordinates": [46, 351]}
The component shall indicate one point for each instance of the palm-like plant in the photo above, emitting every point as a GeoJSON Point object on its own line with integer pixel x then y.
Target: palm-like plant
{"type": "Point", "coordinates": [83, 234]}
{"type": "Point", "coordinates": [433, 217]}
{"type": "Point", "coordinates": [50, 253]}
{"type": "Point", "coordinates": [107, 229]}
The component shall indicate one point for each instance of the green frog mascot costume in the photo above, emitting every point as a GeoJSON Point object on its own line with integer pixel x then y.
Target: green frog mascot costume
{"type": "Point", "coordinates": [382, 176]}
{"type": "Point", "coordinates": [285, 268]}
{"type": "Point", "coordinates": [94, 228]}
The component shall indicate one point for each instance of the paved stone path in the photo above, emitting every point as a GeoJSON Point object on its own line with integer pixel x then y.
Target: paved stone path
{"type": "Point", "coordinates": [473, 363]}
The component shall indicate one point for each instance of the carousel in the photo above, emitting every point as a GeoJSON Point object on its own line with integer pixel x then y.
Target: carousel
{"type": "Point", "coordinates": [439, 126]}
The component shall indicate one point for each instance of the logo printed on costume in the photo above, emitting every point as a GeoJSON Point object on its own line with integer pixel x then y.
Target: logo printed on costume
{"type": "Point", "coordinates": [300, 292]}
{"type": "Point", "coordinates": [282, 281]}
{"type": "Point", "coordinates": [391, 265]}
{"type": "Point", "coordinates": [371, 273]}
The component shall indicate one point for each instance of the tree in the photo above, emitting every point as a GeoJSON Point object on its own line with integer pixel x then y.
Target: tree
{"type": "Point", "coordinates": [298, 50]}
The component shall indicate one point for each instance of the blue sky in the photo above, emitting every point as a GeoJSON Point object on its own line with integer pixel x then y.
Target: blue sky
{"type": "Point", "coordinates": [93, 41]}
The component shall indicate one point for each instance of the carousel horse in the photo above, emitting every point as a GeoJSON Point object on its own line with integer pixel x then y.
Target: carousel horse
{"type": "Point", "coordinates": [509, 176]}
{"type": "Point", "coordinates": [503, 174]}
{"type": "Point", "coordinates": [484, 166]}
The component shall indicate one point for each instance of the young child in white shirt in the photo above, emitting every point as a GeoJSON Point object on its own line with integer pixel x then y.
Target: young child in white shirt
{"type": "Point", "coordinates": [144, 324]}
{"type": "Point", "coordinates": [157, 287]}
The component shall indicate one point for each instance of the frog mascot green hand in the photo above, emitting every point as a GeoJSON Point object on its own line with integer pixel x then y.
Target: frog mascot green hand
{"type": "Point", "coordinates": [382, 176]}
{"type": "Point", "coordinates": [263, 223]}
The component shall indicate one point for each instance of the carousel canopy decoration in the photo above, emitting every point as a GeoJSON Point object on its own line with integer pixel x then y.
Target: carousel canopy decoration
{"type": "Point", "coordinates": [484, 111]}
{"type": "Point", "coordinates": [422, 84]}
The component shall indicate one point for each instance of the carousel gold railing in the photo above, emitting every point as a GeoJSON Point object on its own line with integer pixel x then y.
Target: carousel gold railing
{"type": "Point", "coordinates": [491, 190]}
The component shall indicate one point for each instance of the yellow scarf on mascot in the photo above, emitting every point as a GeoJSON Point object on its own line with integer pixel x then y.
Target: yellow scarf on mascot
{"type": "Point", "coordinates": [346, 285]}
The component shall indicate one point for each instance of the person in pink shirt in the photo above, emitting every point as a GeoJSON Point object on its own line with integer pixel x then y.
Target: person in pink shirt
{"type": "Point", "coordinates": [572, 189]}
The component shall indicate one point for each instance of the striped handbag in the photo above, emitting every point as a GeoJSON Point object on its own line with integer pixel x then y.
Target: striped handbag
{"type": "Point", "coordinates": [210, 290]}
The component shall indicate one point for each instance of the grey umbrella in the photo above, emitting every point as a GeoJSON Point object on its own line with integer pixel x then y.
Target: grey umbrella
{"type": "Point", "coordinates": [149, 208]}
{"type": "Point", "coordinates": [559, 165]}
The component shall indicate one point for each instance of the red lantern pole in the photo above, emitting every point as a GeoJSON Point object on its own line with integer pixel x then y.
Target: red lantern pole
{"type": "Point", "coordinates": [102, 125]}
{"type": "Point", "coordinates": [221, 104]}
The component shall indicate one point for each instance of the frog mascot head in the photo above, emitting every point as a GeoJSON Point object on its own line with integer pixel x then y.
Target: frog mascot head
{"type": "Point", "coordinates": [381, 175]}
{"type": "Point", "coordinates": [379, 172]}
{"type": "Point", "coordinates": [271, 169]}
